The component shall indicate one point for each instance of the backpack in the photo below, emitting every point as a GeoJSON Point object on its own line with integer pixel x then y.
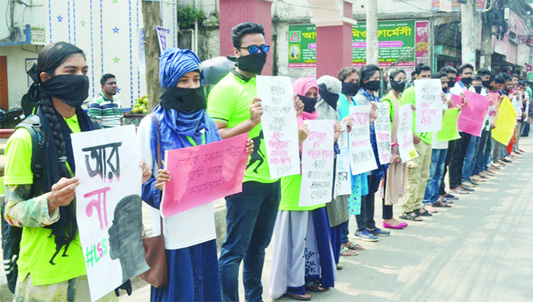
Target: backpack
{"type": "Point", "coordinates": [11, 235]}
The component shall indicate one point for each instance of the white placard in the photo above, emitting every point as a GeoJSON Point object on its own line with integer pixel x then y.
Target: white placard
{"type": "Point", "coordinates": [382, 128]}
{"type": "Point", "coordinates": [362, 157]}
{"type": "Point", "coordinates": [317, 163]}
{"type": "Point", "coordinates": [405, 133]}
{"type": "Point", "coordinates": [343, 179]}
{"type": "Point", "coordinates": [428, 105]}
{"type": "Point", "coordinates": [108, 206]}
{"type": "Point", "coordinates": [279, 125]}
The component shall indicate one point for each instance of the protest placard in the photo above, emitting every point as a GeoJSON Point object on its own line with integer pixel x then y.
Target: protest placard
{"type": "Point", "coordinates": [495, 98]}
{"type": "Point", "coordinates": [505, 122]}
{"type": "Point", "coordinates": [279, 125]}
{"type": "Point", "coordinates": [343, 180]}
{"type": "Point", "coordinates": [204, 174]}
{"type": "Point", "coordinates": [516, 101]}
{"type": "Point", "coordinates": [457, 99]}
{"type": "Point", "coordinates": [108, 207]}
{"type": "Point", "coordinates": [428, 105]}
{"type": "Point", "coordinates": [405, 133]}
{"type": "Point", "coordinates": [362, 157]}
{"type": "Point", "coordinates": [449, 126]}
{"type": "Point", "coordinates": [382, 127]}
{"type": "Point", "coordinates": [317, 163]}
{"type": "Point", "coordinates": [472, 117]}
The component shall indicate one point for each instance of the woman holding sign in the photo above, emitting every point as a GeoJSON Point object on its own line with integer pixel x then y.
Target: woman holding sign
{"type": "Point", "coordinates": [303, 258]}
{"type": "Point", "coordinates": [394, 179]}
{"type": "Point", "coordinates": [366, 226]}
{"type": "Point", "coordinates": [51, 264]}
{"type": "Point", "coordinates": [182, 122]}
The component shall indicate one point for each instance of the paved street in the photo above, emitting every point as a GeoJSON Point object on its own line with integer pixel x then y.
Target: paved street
{"type": "Point", "coordinates": [479, 250]}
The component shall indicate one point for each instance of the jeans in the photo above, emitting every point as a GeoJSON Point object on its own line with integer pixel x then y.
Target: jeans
{"type": "Point", "coordinates": [481, 158]}
{"type": "Point", "coordinates": [521, 126]}
{"type": "Point", "coordinates": [526, 130]}
{"type": "Point", "coordinates": [436, 170]}
{"type": "Point", "coordinates": [250, 220]}
{"type": "Point", "coordinates": [451, 149]}
{"type": "Point", "coordinates": [365, 220]}
{"type": "Point", "coordinates": [470, 157]}
{"type": "Point", "coordinates": [457, 160]}
{"type": "Point", "coordinates": [498, 150]}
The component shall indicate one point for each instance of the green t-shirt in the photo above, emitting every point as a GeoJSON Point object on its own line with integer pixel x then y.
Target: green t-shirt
{"type": "Point", "coordinates": [290, 194]}
{"type": "Point", "coordinates": [36, 245]}
{"type": "Point", "coordinates": [408, 97]}
{"type": "Point", "coordinates": [229, 102]}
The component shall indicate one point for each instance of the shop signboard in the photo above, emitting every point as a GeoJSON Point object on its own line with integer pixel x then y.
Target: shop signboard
{"type": "Point", "coordinates": [302, 45]}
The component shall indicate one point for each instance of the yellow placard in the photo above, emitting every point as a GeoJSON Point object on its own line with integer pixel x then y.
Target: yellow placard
{"type": "Point", "coordinates": [505, 122]}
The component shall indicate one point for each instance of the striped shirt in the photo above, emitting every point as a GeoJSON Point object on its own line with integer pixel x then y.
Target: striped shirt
{"type": "Point", "coordinates": [105, 110]}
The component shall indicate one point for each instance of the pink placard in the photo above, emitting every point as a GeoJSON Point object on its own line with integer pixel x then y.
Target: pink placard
{"type": "Point", "coordinates": [457, 99]}
{"type": "Point", "coordinates": [203, 174]}
{"type": "Point", "coordinates": [472, 117]}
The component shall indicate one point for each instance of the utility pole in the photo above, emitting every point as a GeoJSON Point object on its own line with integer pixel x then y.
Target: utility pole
{"type": "Point", "coordinates": [372, 32]}
{"type": "Point", "coordinates": [486, 42]}
{"type": "Point", "coordinates": [152, 18]}
{"type": "Point", "coordinates": [468, 34]}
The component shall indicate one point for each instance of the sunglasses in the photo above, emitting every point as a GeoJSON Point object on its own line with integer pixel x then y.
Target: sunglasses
{"type": "Point", "coordinates": [253, 49]}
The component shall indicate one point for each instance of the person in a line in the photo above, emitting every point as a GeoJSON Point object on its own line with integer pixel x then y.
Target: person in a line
{"type": "Point", "coordinates": [251, 214]}
{"type": "Point", "coordinates": [473, 146]}
{"type": "Point", "coordinates": [367, 95]}
{"type": "Point", "coordinates": [328, 96]}
{"type": "Point", "coordinates": [190, 236]}
{"type": "Point", "coordinates": [396, 173]}
{"type": "Point", "coordinates": [443, 195]}
{"type": "Point", "coordinates": [51, 264]}
{"type": "Point", "coordinates": [417, 168]}
{"type": "Point", "coordinates": [105, 108]}
{"type": "Point", "coordinates": [498, 149]}
{"type": "Point", "coordinates": [349, 78]}
{"type": "Point", "coordinates": [438, 157]}
{"type": "Point", "coordinates": [460, 146]}
{"type": "Point", "coordinates": [303, 258]}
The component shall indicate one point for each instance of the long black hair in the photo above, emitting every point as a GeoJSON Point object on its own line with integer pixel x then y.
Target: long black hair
{"type": "Point", "coordinates": [56, 149]}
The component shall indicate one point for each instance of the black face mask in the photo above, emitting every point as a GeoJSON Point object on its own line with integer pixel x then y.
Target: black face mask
{"type": "Point", "coordinates": [328, 97]}
{"type": "Point", "coordinates": [350, 89]}
{"type": "Point", "coordinates": [397, 86]}
{"type": "Point", "coordinates": [309, 103]}
{"type": "Point", "coordinates": [252, 63]}
{"type": "Point", "coordinates": [183, 99]}
{"type": "Point", "coordinates": [372, 85]}
{"type": "Point", "coordinates": [451, 83]}
{"type": "Point", "coordinates": [491, 87]}
{"type": "Point", "coordinates": [466, 81]}
{"type": "Point", "coordinates": [445, 89]}
{"type": "Point", "coordinates": [478, 89]}
{"type": "Point", "coordinates": [486, 83]}
{"type": "Point", "coordinates": [70, 89]}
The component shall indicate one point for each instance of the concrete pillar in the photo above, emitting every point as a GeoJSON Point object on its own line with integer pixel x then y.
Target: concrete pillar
{"type": "Point", "coordinates": [468, 34]}
{"type": "Point", "coordinates": [372, 49]}
{"type": "Point", "coordinates": [233, 12]}
{"type": "Point", "coordinates": [486, 44]}
{"type": "Point", "coordinates": [333, 35]}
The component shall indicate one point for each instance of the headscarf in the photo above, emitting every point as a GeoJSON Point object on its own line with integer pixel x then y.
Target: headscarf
{"type": "Point", "coordinates": [175, 126]}
{"type": "Point", "coordinates": [301, 86]}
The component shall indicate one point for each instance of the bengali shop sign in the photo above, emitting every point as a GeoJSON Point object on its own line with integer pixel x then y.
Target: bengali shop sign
{"type": "Point", "coordinates": [396, 41]}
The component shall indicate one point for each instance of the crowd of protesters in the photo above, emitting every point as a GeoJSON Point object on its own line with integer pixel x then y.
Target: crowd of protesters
{"type": "Point", "coordinates": [309, 242]}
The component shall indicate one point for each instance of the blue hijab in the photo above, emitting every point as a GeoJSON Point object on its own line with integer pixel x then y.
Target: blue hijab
{"type": "Point", "coordinates": [175, 126]}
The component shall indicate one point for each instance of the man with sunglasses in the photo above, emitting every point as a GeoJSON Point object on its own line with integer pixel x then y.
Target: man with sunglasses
{"type": "Point", "coordinates": [251, 214]}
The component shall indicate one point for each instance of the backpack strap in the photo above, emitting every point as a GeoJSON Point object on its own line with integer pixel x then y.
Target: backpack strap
{"type": "Point", "coordinates": [32, 123]}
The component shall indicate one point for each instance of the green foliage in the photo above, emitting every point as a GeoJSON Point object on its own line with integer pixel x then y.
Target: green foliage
{"type": "Point", "coordinates": [187, 14]}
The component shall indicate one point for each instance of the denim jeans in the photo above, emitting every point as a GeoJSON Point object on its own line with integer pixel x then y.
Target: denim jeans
{"type": "Point", "coordinates": [526, 130]}
{"type": "Point", "coordinates": [250, 220]}
{"type": "Point", "coordinates": [481, 158]}
{"type": "Point", "coordinates": [436, 170]}
{"type": "Point", "coordinates": [470, 158]}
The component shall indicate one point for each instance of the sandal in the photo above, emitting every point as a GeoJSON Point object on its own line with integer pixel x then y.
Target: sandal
{"type": "Point", "coordinates": [315, 287]}
{"type": "Point", "coordinates": [425, 213]}
{"type": "Point", "coordinates": [411, 216]}
{"type": "Point", "coordinates": [355, 246]}
{"type": "Point", "coordinates": [460, 191]}
{"type": "Point", "coordinates": [440, 204]}
{"type": "Point", "coordinates": [304, 297]}
{"type": "Point", "coordinates": [345, 251]}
